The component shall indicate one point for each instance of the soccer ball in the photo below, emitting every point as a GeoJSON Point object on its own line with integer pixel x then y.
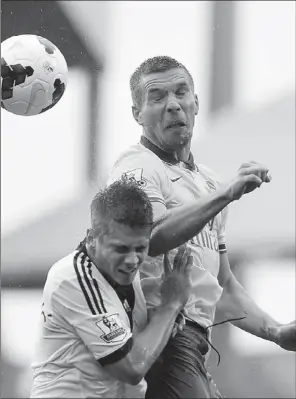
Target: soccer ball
{"type": "Point", "coordinates": [33, 75]}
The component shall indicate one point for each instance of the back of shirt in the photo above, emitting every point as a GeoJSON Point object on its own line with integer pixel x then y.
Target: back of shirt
{"type": "Point", "coordinates": [83, 326]}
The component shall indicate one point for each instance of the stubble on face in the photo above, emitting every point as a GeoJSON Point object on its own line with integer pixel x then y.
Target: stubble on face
{"type": "Point", "coordinates": [168, 98]}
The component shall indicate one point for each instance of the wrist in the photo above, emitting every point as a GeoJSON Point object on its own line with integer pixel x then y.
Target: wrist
{"type": "Point", "coordinates": [172, 307]}
{"type": "Point", "coordinates": [225, 194]}
{"type": "Point", "coordinates": [273, 333]}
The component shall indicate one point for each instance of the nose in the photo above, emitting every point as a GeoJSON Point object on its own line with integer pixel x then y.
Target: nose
{"type": "Point", "coordinates": [173, 105]}
{"type": "Point", "coordinates": [132, 259]}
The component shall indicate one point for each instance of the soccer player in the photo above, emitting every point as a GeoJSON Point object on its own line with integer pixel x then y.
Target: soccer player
{"type": "Point", "coordinates": [189, 205]}
{"type": "Point", "coordinates": [94, 338]}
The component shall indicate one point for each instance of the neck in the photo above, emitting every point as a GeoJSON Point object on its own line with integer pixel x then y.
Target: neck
{"type": "Point", "coordinates": [153, 140]}
{"type": "Point", "coordinates": [184, 152]}
{"type": "Point", "coordinates": [181, 154]}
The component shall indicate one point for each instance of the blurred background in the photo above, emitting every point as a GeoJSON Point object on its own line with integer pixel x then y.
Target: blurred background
{"type": "Point", "coordinates": [242, 58]}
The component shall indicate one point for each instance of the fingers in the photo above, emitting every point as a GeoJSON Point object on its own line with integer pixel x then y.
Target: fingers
{"type": "Point", "coordinates": [253, 179]}
{"type": "Point", "coordinates": [166, 264]}
{"type": "Point", "coordinates": [179, 256]}
{"type": "Point", "coordinates": [182, 323]}
{"type": "Point", "coordinates": [248, 164]}
{"type": "Point", "coordinates": [257, 169]}
{"type": "Point", "coordinates": [268, 178]}
{"type": "Point", "coordinates": [182, 261]}
{"type": "Point", "coordinates": [179, 324]}
{"type": "Point", "coordinates": [189, 263]}
{"type": "Point", "coordinates": [175, 330]}
{"type": "Point", "coordinates": [185, 262]}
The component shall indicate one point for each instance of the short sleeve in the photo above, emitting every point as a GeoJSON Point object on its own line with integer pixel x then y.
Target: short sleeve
{"type": "Point", "coordinates": [222, 231]}
{"type": "Point", "coordinates": [99, 320]}
{"type": "Point", "coordinates": [214, 181]}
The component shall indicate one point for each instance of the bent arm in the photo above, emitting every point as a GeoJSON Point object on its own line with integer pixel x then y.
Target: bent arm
{"type": "Point", "coordinates": [235, 303]}
{"type": "Point", "coordinates": [147, 346]}
{"type": "Point", "coordinates": [176, 226]}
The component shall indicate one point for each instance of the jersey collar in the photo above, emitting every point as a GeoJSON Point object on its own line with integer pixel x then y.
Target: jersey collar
{"type": "Point", "coordinates": [167, 156]}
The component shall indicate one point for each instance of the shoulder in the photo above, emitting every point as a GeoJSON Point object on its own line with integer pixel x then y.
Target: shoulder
{"type": "Point", "coordinates": [61, 271]}
{"type": "Point", "coordinates": [138, 156]}
{"type": "Point", "coordinates": [140, 163]}
{"type": "Point", "coordinates": [74, 282]}
{"type": "Point", "coordinates": [69, 275]}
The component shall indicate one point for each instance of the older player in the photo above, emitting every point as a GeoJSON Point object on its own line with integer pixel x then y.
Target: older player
{"type": "Point", "coordinates": [94, 338]}
{"type": "Point", "coordinates": [190, 206]}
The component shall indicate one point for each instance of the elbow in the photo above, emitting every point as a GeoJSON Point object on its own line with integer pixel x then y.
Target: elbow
{"type": "Point", "coordinates": [134, 377]}
{"type": "Point", "coordinates": [158, 244]}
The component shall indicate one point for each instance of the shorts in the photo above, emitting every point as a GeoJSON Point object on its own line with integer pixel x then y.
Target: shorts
{"type": "Point", "coordinates": [180, 370]}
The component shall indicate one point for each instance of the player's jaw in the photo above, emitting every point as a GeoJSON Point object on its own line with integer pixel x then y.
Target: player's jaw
{"type": "Point", "coordinates": [125, 274]}
{"type": "Point", "coordinates": [177, 132]}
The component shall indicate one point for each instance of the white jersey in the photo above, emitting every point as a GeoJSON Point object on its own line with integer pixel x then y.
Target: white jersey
{"type": "Point", "coordinates": [85, 324]}
{"type": "Point", "coordinates": [174, 183]}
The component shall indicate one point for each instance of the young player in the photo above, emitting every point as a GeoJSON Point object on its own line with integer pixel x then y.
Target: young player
{"type": "Point", "coordinates": [94, 337]}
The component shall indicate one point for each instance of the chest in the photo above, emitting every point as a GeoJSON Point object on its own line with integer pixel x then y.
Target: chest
{"type": "Point", "coordinates": [185, 186]}
{"type": "Point", "coordinates": [131, 305]}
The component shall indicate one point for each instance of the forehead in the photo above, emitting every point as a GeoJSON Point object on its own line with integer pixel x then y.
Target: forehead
{"type": "Point", "coordinates": [124, 235]}
{"type": "Point", "coordinates": [163, 79]}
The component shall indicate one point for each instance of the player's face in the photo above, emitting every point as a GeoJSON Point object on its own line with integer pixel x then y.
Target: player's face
{"type": "Point", "coordinates": [121, 251]}
{"type": "Point", "coordinates": [169, 107]}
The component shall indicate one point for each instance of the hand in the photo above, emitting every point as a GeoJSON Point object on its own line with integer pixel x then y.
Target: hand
{"type": "Point", "coordinates": [176, 284]}
{"type": "Point", "coordinates": [257, 169]}
{"type": "Point", "coordinates": [250, 176]}
{"type": "Point", "coordinates": [286, 336]}
{"type": "Point", "coordinates": [179, 322]}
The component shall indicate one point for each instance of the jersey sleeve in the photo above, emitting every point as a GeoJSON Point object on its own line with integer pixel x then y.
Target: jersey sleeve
{"type": "Point", "coordinates": [99, 321]}
{"type": "Point", "coordinates": [222, 231]}
{"type": "Point", "coordinates": [146, 171]}
{"type": "Point", "coordinates": [214, 181]}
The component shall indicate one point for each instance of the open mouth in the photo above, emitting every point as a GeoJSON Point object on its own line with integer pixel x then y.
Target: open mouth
{"type": "Point", "coordinates": [176, 124]}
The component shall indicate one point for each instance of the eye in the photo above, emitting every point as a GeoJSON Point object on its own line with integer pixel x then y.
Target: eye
{"type": "Point", "coordinates": [142, 248]}
{"type": "Point", "coordinates": [121, 249]}
{"type": "Point", "coordinates": [181, 92]}
{"type": "Point", "coordinates": [156, 95]}
{"type": "Point", "coordinates": [158, 98]}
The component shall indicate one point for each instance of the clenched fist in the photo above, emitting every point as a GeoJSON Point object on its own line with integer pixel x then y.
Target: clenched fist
{"type": "Point", "coordinates": [250, 176]}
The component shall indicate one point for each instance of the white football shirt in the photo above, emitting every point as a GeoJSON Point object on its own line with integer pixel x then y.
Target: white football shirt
{"type": "Point", "coordinates": [85, 323]}
{"type": "Point", "coordinates": [173, 183]}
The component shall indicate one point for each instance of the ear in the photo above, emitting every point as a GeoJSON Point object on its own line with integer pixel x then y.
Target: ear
{"type": "Point", "coordinates": [137, 114]}
{"type": "Point", "coordinates": [196, 104]}
{"type": "Point", "coordinates": [90, 237]}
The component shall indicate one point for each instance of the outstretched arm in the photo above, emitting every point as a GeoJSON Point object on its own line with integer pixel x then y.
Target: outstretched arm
{"type": "Point", "coordinates": [176, 226]}
{"type": "Point", "coordinates": [235, 303]}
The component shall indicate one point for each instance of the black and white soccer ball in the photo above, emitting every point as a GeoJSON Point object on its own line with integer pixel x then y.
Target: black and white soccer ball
{"type": "Point", "coordinates": [33, 75]}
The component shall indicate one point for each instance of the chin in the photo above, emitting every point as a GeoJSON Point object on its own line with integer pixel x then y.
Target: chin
{"type": "Point", "coordinates": [126, 279]}
{"type": "Point", "coordinates": [182, 135]}
{"type": "Point", "coordinates": [181, 141]}
{"type": "Point", "coordinates": [185, 139]}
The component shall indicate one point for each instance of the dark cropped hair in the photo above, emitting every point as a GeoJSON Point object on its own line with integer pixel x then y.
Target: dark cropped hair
{"type": "Point", "coordinates": [160, 63]}
{"type": "Point", "coordinates": [125, 202]}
